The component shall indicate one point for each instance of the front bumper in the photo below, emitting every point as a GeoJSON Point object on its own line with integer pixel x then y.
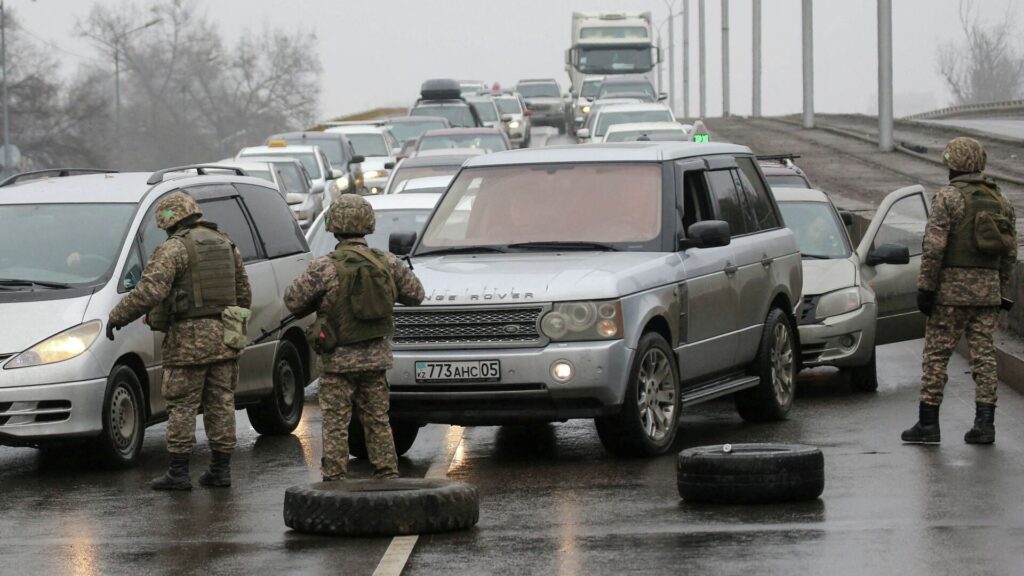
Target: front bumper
{"type": "Point", "coordinates": [547, 117]}
{"type": "Point", "coordinates": [526, 393]}
{"type": "Point", "coordinates": [33, 414]}
{"type": "Point", "coordinates": [374, 186]}
{"type": "Point", "coordinates": [845, 340]}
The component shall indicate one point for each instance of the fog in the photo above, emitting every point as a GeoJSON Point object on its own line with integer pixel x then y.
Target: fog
{"type": "Point", "coordinates": [376, 52]}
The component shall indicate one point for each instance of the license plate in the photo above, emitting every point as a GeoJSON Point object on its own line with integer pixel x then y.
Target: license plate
{"type": "Point", "coordinates": [458, 371]}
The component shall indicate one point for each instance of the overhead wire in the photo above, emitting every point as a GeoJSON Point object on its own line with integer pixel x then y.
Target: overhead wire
{"type": "Point", "coordinates": [56, 46]}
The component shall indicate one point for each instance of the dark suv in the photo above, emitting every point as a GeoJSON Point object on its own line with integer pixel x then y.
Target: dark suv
{"type": "Point", "coordinates": [544, 98]}
{"type": "Point", "coordinates": [443, 97]}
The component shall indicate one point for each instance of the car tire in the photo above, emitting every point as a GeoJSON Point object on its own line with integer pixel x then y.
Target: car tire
{"type": "Point", "coordinates": [776, 365]}
{"type": "Point", "coordinates": [279, 413]}
{"type": "Point", "coordinates": [750, 473]}
{"type": "Point", "coordinates": [650, 398]}
{"type": "Point", "coordinates": [382, 507]}
{"type": "Point", "coordinates": [124, 419]}
{"type": "Point", "coordinates": [404, 434]}
{"type": "Point", "coordinates": [864, 378]}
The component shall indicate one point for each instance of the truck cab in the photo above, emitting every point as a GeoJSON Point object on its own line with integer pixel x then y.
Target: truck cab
{"type": "Point", "coordinates": [610, 43]}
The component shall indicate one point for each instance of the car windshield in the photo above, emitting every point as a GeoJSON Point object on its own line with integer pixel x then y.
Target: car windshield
{"type": "Point", "coordinates": [409, 130]}
{"type": "Point", "coordinates": [308, 161]}
{"type": "Point", "coordinates": [458, 115]}
{"type": "Point", "coordinates": [786, 181]}
{"type": "Point", "coordinates": [368, 144]}
{"type": "Point", "coordinates": [614, 32]}
{"type": "Point", "coordinates": [611, 118]}
{"type": "Point", "coordinates": [818, 231]}
{"type": "Point", "coordinates": [538, 90]}
{"type": "Point", "coordinates": [323, 242]}
{"type": "Point", "coordinates": [63, 243]}
{"type": "Point", "coordinates": [291, 177]}
{"type": "Point", "coordinates": [403, 174]}
{"type": "Point", "coordinates": [509, 105]}
{"type": "Point", "coordinates": [652, 135]}
{"type": "Point", "coordinates": [615, 60]}
{"type": "Point", "coordinates": [590, 88]}
{"type": "Point", "coordinates": [610, 90]}
{"type": "Point", "coordinates": [496, 207]}
{"type": "Point", "coordinates": [491, 142]}
{"type": "Point", "coordinates": [331, 148]}
{"type": "Point", "coordinates": [486, 111]}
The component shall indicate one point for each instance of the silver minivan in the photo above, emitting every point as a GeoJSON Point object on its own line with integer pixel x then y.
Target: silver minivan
{"type": "Point", "coordinates": [71, 246]}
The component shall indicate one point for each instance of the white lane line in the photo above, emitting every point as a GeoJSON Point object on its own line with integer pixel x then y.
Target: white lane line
{"type": "Point", "coordinates": [400, 549]}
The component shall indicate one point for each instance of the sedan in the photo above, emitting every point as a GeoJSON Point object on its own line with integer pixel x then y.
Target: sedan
{"type": "Point", "coordinates": [395, 213]}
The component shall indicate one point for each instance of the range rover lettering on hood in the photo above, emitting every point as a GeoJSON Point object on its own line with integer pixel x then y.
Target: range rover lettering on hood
{"type": "Point", "coordinates": [484, 295]}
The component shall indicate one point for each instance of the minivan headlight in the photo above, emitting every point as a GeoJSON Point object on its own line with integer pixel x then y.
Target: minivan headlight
{"type": "Point", "coordinates": [838, 302]}
{"type": "Point", "coordinates": [579, 321]}
{"type": "Point", "coordinates": [60, 347]}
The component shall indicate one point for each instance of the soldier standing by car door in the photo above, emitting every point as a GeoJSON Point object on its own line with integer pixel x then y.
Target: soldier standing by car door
{"type": "Point", "coordinates": [196, 290]}
{"type": "Point", "coordinates": [353, 291]}
{"type": "Point", "coordinates": [970, 248]}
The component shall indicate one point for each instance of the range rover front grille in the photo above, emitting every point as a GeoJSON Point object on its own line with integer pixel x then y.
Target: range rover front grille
{"type": "Point", "coordinates": [489, 326]}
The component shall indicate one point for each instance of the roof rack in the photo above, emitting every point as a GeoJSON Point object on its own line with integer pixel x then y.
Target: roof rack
{"type": "Point", "coordinates": [54, 172]}
{"type": "Point", "coordinates": [201, 170]}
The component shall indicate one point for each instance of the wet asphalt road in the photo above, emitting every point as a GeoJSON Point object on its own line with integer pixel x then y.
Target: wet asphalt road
{"type": "Point", "coordinates": [553, 502]}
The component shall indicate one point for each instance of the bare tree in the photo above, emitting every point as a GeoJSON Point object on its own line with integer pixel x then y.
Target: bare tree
{"type": "Point", "coordinates": [986, 66]}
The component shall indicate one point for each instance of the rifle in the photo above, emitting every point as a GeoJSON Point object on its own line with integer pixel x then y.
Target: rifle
{"type": "Point", "coordinates": [267, 333]}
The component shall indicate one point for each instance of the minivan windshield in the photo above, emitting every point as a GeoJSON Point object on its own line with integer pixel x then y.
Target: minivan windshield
{"type": "Point", "coordinates": [61, 243]}
{"type": "Point", "coordinates": [537, 207]}
{"type": "Point", "coordinates": [818, 231]}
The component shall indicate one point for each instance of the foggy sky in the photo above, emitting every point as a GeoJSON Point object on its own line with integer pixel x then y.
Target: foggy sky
{"type": "Point", "coordinates": [376, 52]}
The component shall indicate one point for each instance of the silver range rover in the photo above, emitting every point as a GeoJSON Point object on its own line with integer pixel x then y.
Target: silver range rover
{"type": "Point", "coordinates": [616, 282]}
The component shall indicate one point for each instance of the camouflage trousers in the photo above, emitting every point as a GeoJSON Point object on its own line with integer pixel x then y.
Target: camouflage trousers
{"type": "Point", "coordinates": [213, 386]}
{"type": "Point", "coordinates": [943, 330]}
{"type": "Point", "coordinates": [369, 390]}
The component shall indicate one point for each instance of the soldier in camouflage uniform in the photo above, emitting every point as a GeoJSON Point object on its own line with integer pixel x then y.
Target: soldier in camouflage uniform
{"type": "Point", "coordinates": [353, 370]}
{"type": "Point", "coordinates": [962, 287]}
{"type": "Point", "coordinates": [198, 366]}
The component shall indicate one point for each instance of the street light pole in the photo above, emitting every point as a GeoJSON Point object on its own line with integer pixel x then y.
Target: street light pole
{"type": "Point", "coordinates": [756, 36]}
{"type": "Point", "coordinates": [808, 58]}
{"type": "Point", "coordinates": [885, 139]}
{"type": "Point", "coordinates": [3, 64]}
{"type": "Point", "coordinates": [671, 61]}
{"type": "Point", "coordinates": [686, 58]}
{"type": "Point", "coordinates": [702, 40]}
{"type": "Point", "coordinates": [118, 40]}
{"type": "Point", "coordinates": [725, 58]}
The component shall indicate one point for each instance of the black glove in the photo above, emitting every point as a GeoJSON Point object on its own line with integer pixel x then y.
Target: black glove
{"type": "Point", "coordinates": [926, 301]}
{"type": "Point", "coordinates": [1006, 304]}
{"type": "Point", "coordinates": [110, 330]}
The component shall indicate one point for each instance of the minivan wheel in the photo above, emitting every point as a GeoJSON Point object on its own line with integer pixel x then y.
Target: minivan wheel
{"type": "Point", "coordinates": [864, 378]}
{"type": "Point", "coordinates": [776, 365]}
{"type": "Point", "coordinates": [404, 434]}
{"type": "Point", "coordinates": [280, 412]}
{"type": "Point", "coordinates": [124, 419]}
{"type": "Point", "coordinates": [649, 419]}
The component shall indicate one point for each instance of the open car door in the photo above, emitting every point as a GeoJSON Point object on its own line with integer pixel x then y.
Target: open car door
{"type": "Point", "coordinates": [890, 260]}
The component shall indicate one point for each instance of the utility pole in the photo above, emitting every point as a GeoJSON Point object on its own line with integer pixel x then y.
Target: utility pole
{"type": "Point", "coordinates": [756, 37]}
{"type": "Point", "coordinates": [885, 142]}
{"type": "Point", "coordinates": [702, 39]}
{"type": "Point", "coordinates": [661, 67]}
{"type": "Point", "coordinates": [3, 64]}
{"type": "Point", "coordinates": [671, 58]}
{"type": "Point", "coordinates": [118, 40]}
{"type": "Point", "coordinates": [808, 37]}
{"type": "Point", "coordinates": [686, 58]}
{"type": "Point", "coordinates": [725, 58]}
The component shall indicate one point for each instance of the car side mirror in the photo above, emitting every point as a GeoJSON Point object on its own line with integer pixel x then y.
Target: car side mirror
{"type": "Point", "coordinates": [707, 234]}
{"type": "Point", "coordinates": [847, 217]}
{"type": "Point", "coordinates": [317, 188]}
{"type": "Point", "coordinates": [293, 198]}
{"type": "Point", "coordinates": [335, 174]}
{"type": "Point", "coordinates": [506, 118]}
{"type": "Point", "coordinates": [401, 243]}
{"type": "Point", "coordinates": [583, 134]}
{"type": "Point", "coordinates": [662, 96]}
{"type": "Point", "coordinates": [889, 254]}
{"type": "Point", "coordinates": [357, 160]}
{"type": "Point", "coordinates": [389, 165]}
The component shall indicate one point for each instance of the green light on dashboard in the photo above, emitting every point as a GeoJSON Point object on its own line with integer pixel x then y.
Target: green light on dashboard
{"type": "Point", "coordinates": [701, 138]}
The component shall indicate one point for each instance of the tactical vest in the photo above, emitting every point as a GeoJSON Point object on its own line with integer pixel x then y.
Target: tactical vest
{"type": "Point", "coordinates": [962, 247]}
{"type": "Point", "coordinates": [365, 309]}
{"type": "Point", "coordinates": [209, 286]}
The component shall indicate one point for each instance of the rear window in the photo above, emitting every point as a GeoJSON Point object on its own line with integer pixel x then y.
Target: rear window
{"type": "Point", "coordinates": [274, 221]}
{"type": "Point", "coordinates": [538, 90]}
{"type": "Point", "coordinates": [509, 105]}
{"type": "Point", "coordinates": [458, 115]}
{"type": "Point", "coordinates": [787, 182]}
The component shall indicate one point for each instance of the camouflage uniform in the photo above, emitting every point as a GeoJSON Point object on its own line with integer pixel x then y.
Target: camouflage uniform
{"type": "Point", "coordinates": [356, 371]}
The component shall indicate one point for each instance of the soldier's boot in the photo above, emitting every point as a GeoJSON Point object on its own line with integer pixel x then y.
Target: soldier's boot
{"type": "Point", "coordinates": [176, 477]}
{"type": "Point", "coordinates": [219, 474]}
{"type": "Point", "coordinates": [926, 431]}
{"type": "Point", "coordinates": [984, 430]}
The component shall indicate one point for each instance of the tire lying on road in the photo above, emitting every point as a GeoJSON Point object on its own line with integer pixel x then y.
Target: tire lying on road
{"type": "Point", "coordinates": [750, 473]}
{"type": "Point", "coordinates": [381, 507]}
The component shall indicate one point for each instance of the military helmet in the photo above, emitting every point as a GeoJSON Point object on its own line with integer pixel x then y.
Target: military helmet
{"type": "Point", "coordinates": [964, 155]}
{"type": "Point", "coordinates": [350, 214]}
{"type": "Point", "coordinates": [174, 208]}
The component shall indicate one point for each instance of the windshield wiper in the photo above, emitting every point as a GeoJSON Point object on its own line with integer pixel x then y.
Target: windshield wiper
{"type": "Point", "coordinates": [460, 250]}
{"type": "Point", "coordinates": [815, 256]}
{"type": "Point", "coordinates": [19, 282]}
{"type": "Point", "coordinates": [566, 245]}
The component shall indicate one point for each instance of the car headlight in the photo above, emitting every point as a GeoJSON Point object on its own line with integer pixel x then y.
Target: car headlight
{"type": "Point", "coordinates": [578, 321]}
{"type": "Point", "coordinates": [585, 109]}
{"type": "Point", "coordinates": [60, 347]}
{"type": "Point", "coordinates": [342, 184]}
{"type": "Point", "coordinates": [838, 302]}
{"type": "Point", "coordinates": [374, 174]}
{"type": "Point", "coordinates": [513, 124]}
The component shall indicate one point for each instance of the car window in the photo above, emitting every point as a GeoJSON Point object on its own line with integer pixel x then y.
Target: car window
{"type": "Point", "coordinates": [132, 271]}
{"type": "Point", "coordinates": [485, 110]}
{"type": "Point", "coordinates": [275, 224]}
{"type": "Point", "coordinates": [369, 144]}
{"type": "Point", "coordinates": [509, 105]}
{"type": "Point", "coordinates": [730, 205]}
{"type": "Point", "coordinates": [693, 196]}
{"type": "Point", "coordinates": [904, 224]}
{"type": "Point", "coordinates": [292, 178]}
{"type": "Point", "coordinates": [539, 90]}
{"type": "Point", "coordinates": [756, 195]}
{"type": "Point", "coordinates": [819, 232]}
{"type": "Point", "coordinates": [787, 182]}
{"type": "Point", "coordinates": [610, 118]}
{"type": "Point", "coordinates": [458, 115]}
{"type": "Point", "coordinates": [227, 215]}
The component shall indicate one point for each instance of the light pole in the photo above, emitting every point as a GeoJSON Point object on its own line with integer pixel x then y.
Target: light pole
{"type": "Point", "coordinates": [686, 58]}
{"type": "Point", "coordinates": [671, 53]}
{"type": "Point", "coordinates": [756, 36]}
{"type": "Point", "coordinates": [725, 58]}
{"type": "Point", "coordinates": [702, 68]}
{"type": "Point", "coordinates": [117, 73]}
{"type": "Point", "coordinates": [885, 142]}
{"type": "Point", "coordinates": [808, 62]}
{"type": "Point", "coordinates": [3, 57]}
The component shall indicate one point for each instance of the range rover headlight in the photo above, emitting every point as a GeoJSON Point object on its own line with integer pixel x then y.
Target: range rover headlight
{"type": "Point", "coordinates": [60, 347]}
{"type": "Point", "coordinates": [838, 302]}
{"type": "Point", "coordinates": [585, 109]}
{"type": "Point", "coordinates": [581, 321]}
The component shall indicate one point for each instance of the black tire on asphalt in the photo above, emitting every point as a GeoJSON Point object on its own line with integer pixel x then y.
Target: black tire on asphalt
{"type": "Point", "coordinates": [766, 401]}
{"type": "Point", "coordinates": [623, 434]}
{"type": "Point", "coordinates": [381, 507]}
{"type": "Point", "coordinates": [404, 434]}
{"type": "Point", "coordinates": [124, 419]}
{"type": "Point", "coordinates": [864, 378]}
{"type": "Point", "coordinates": [750, 473]}
{"type": "Point", "coordinates": [279, 413]}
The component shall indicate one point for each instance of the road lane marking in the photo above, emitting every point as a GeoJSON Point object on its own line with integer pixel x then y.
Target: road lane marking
{"type": "Point", "coordinates": [397, 555]}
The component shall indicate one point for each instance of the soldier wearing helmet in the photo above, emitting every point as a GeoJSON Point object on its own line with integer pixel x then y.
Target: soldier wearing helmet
{"type": "Point", "coordinates": [970, 248]}
{"type": "Point", "coordinates": [190, 282]}
{"type": "Point", "coordinates": [353, 291]}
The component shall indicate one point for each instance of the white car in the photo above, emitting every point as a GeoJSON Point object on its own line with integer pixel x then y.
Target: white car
{"type": "Point", "coordinates": [424, 185]}
{"type": "Point", "coordinates": [856, 298]}
{"type": "Point", "coordinates": [312, 158]}
{"type": "Point", "coordinates": [377, 146]}
{"type": "Point", "coordinates": [394, 212]}
{"type": "Point", "coordinates": [613, 114]}
{"type": "Point", "coordinates": [652, 131]}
